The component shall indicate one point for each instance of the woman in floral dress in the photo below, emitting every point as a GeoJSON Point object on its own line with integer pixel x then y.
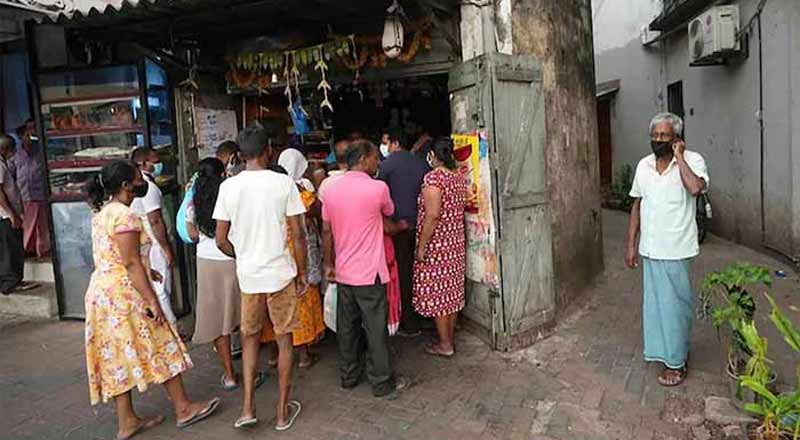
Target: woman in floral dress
{"type": "Point", "coordinates": [439, 269]}
{"type": "Point", "coordinates": [129, 344]}
{"type": "Point", "coordinates": [310, 323]}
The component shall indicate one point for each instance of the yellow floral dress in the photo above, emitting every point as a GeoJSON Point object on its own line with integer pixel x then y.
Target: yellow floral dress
{"type": "Point", "coordinates": [124, 347]}
{"type": "Point", "coordinates": [310, 323]}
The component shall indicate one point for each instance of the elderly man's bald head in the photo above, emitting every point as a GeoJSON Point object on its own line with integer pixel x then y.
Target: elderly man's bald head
{"type": "Point", "coordinates": [340, 151]}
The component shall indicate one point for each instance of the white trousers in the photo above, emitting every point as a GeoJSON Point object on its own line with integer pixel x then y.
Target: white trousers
{"type": "Point", "coordinates": [163, 289]}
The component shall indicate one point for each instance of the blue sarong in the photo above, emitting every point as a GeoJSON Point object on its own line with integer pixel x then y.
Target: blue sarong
{"type": "Point", "coordinates": [667, 311]}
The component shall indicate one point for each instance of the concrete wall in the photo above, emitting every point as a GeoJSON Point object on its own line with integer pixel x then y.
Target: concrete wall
{"type": "Point", "coordinates": [559, 33]}
{"type": "Point", "coordinates": [722, 114]}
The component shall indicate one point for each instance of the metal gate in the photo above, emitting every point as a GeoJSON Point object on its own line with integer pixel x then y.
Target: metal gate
{"type": "Point", "coordinates": [500, 97]}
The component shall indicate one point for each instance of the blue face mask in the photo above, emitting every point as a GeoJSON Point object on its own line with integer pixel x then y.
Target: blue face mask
{"type": "Point", "coordinates": [158, 168]}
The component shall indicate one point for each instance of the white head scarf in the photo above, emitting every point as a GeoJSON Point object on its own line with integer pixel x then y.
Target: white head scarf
{"type": "Point", "coordinates": [295, 165]}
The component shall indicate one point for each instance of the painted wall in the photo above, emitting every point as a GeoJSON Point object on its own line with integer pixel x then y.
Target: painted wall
{"type": "Point", "coordinates": [15, 100]}
{"type": "Point", "coordinates": [722, 113]}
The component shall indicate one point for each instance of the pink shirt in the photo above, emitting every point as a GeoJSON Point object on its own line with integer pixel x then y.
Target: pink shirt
{"type": "Point", "coordinates": [355, 205]}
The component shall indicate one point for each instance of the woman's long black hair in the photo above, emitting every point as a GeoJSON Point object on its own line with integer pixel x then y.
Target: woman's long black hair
{"type": "Point", "coordinates": [109, 182]}
{"type": "Point", "coordinates": [206, 189]}
{"type": "Point", "coordinates": [443, 150]}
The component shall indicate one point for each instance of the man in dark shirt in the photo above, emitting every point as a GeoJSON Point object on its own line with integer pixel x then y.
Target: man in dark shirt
{"type": "Point", "coordinates": [403, 172]}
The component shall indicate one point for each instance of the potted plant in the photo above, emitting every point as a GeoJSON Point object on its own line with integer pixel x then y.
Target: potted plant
{"type": "Point", "coordinates": [724, 296]}
{"type": "Point", "coordinates": [780, 413]}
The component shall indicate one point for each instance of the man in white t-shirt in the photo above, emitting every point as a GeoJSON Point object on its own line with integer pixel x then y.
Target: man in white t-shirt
{"type": "Point", "coordinates": [252, 212]}
{"type": "Point", "coordinates": [662, 231]}
{"type": "Point", "coordinates": [149, 208]}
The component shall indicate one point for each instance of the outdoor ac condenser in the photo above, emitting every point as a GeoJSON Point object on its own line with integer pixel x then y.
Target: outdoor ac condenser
{"type": "Point", "coordinates": [714, 34]}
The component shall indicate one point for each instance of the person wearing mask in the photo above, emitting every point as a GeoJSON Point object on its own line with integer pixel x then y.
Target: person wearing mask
{"type": "Point", "coordinates": [129, 343]}
{"type": "Point", "coordinates": [29, 167]}
{"type": "Point", "coordinates": [218, 296]}
{"type": "Point", "coordinates": [12, 253]}
{"type": "Point", "coordinates": [254, 211]}
{"type": "Point", "coordinates": [340, 151]}
{"type": "Point", "coordinates": [150, 208]}
{"type": "Point", "coordinates": [353, 213]}
{"type": "Point", "coordinates": [663, 232]}
{"type": "Point", "coordinates": [439, 270]}
{"type": "Point", "coordinates": [403, 172]}
{"type": "Point", "coordinates": [385, 148]}
{"type": "Point", "coordinates": [310, 324]}
{"type": "Point", "coordinates": [228, 154]}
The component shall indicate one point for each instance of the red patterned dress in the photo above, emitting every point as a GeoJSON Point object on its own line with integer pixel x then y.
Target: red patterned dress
{"type": "Point", "coordinates": [439, 279]}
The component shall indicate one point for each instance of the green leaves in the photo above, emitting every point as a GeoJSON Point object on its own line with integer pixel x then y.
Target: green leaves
{"type": "Point", "coordinates": [789, 332]}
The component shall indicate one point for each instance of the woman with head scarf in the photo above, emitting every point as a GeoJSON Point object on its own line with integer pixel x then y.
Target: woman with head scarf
{"type": "Point", "coordinates": [310, 325]}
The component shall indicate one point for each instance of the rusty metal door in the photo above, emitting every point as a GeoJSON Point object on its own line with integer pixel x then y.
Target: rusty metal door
{"type": "Point", "coordinates": [501, 96]}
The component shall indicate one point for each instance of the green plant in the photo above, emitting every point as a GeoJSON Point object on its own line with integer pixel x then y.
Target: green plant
{"type": "Point", "coordinates": [725, 294]}
{"type": "Point", "coordinates": [621, 187]}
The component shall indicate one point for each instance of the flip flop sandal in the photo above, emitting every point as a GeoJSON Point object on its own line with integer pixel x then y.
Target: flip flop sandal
{"type": "Point", "coordinates": [245, 423]}
{"type": "Point", "coordinates": [429, 348]}
{"type": "Point", "coordinates": [272, 364]}
{"type": "Point", "coordinates": [675, 378]}
{"type": "Point", "coordinates": [297, 408]}
{"type": "Point", "coordinates": [260, 379]}
{"type": "Point", "coordinates": [202, 415]}
{"type": "Point", "coordinates": [312, 359]}
{"type": "Point", "coordinates": [152, 423]}
{"type": "Point", "coordinates": [25, 286]}
{"type": "Point", "coordinates": [228, 386]}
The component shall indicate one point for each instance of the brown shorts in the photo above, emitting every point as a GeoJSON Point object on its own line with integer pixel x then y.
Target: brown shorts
{"type": "Point", "coordinates": [277, 309]}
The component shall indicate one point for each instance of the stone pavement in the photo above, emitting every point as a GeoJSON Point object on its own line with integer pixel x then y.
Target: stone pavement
{"type": "Point", "coordinates": [586, 381]}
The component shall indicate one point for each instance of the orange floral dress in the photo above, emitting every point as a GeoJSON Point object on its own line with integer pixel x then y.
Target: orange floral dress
{"type": "Point", "coordinates": [124, 347]}
{"type": "Point", "coordinates": [310, 323]}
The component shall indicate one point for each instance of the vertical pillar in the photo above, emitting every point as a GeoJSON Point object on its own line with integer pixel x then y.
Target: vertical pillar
{"type": "Point", "coordinates": [559, 33]}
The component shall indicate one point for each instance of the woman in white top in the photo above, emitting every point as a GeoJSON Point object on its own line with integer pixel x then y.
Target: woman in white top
{"type": "Point", "coordinates": [218, 296]}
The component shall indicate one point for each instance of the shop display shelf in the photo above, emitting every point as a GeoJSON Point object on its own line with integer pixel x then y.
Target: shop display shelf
{"type": "Point", "coordinates": [83, 100]}
{"type": "Point", "coordinates": [75, 165]}
{"type": "Point", "coordinates": [63, 134]}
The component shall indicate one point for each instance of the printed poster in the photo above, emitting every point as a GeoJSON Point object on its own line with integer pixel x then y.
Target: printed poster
{"type": "Point", "coordinates": [212, 128]}
{"type": "Point", "coordinates": [471, 152]}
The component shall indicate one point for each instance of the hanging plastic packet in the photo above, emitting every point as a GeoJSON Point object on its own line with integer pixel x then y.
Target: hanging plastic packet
{"type": "Point", "coordinates": [299, 118]}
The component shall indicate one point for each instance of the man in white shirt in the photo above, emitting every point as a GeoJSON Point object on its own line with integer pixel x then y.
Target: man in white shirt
{"type": "Point", "coordinates": [662, 230]}
{"type": "Point", "coordinates": [149, 208]}
{"type": "Point", "coordinates": [252, 212]}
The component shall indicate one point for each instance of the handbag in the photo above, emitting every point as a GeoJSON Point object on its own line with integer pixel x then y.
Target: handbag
{"type": "Point", "coordinates": [329, 306]}
{"type": "Point", "coordinates": [180, 218]}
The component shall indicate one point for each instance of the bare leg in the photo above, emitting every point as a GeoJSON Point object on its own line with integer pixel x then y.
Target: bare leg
{"type": "Point", "coordinates": [285, 360]}
{"type": "Point", "coordinates": [250, 348]}
{"type": "Point", "coordinates": [223, 346]}
{"type": "Point", "coordinates": [453, 318]}
{"type": "Point", "coordinates": [272, 354]}
{"type": "Point", "coordinates": [127, 421]}
{"type": "Point", "coordinates": [184, 408]}
{"type": "Point", "coordinates": [443, 329]}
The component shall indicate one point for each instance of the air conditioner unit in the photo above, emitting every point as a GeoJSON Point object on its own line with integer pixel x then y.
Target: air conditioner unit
{"type": "Point", "coordinates": [714, 34]}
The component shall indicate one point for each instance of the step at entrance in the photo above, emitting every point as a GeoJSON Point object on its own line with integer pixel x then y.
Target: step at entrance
{"type": "Point", "coordinates": [39, 270]}
{"type": "Point", "coordinates": [38, 303]}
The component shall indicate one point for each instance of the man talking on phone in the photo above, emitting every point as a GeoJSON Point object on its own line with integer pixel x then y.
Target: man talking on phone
{"type": "Point", "coordinates": [662, 231]}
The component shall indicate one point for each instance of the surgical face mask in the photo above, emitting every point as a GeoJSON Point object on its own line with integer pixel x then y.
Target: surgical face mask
{"type": "Point", "coordinates": [385, 150]}
{"type": "Point", "coordinates": [140, 190]}
{"type": "Point", "coordinates": [661, 148]}
{"type": "Point", "coordinates": [430, 161]}
{"type": "Point", "coordinates": [158, 168]}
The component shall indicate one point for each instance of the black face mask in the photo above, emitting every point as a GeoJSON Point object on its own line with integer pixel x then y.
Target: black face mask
{"type": "Point", "coordinates": [661, 148]}
{"type": "Point", "coordinates": [140, 191]}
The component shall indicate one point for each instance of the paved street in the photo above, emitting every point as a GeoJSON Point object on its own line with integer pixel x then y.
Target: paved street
{"type": "Point", "coordinates": [586, 381]}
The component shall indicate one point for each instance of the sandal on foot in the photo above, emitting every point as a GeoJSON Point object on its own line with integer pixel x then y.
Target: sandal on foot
{"type": "Point", "coordinates": [245, 423]}
{"type": "Point", "coordinates": [312, 359]}
{"type": "Point", "coordinates": [201, 415]}
{"type": "Point", "coordinates": [672, 377]}
{"type": "Point", "coordinates": [294, 410]}
{"type": "Point", "coordinates": [228, 386]}
{"type": "Point", "coordinates": [143, 426]}
{"type": "Point", "coordinates": [434, 350]}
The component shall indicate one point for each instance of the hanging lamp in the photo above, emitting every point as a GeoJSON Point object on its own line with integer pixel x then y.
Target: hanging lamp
{"type": "Point", "coordinates": [393, 31]}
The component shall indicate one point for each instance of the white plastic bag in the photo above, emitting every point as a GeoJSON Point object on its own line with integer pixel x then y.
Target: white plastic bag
{"type": "Point", "coordinates": [330, 306]}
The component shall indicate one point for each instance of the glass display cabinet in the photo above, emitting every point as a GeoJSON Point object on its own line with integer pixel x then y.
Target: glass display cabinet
{"type": "Point", "coordinates": [89, 118]}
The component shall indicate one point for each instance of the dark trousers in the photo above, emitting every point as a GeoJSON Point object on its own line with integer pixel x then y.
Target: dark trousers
{"type": "Point", "coordinates": [12, 256]}
{"type": "Point", "coordinates": [405, 246]}
{"type": "Point", "coordinates": [367, 306]}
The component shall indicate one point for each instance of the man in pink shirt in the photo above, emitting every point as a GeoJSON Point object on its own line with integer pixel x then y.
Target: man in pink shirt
{"type": "Point", "coordinates": [352, 233]}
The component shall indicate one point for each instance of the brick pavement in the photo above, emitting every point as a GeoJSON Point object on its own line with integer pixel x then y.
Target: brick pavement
{"type": "Point", "coordinates": [587, 381]}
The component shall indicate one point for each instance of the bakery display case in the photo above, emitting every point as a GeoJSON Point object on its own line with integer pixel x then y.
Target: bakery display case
{"type": "Point", "coordinates": [89, 118]}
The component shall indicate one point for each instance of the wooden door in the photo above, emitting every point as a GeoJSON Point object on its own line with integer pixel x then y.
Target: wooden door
{"type": "Point", "coordinates": [604, 140]}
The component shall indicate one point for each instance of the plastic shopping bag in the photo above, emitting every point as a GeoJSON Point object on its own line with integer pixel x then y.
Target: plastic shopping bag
{"type": "Point", "coordinates": [329, 306]}
{"type": "Point", "coordinates": [180, 220]}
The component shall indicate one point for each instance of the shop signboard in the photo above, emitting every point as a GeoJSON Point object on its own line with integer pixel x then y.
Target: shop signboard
{"type": "Point", "coordinates": [213, 127]}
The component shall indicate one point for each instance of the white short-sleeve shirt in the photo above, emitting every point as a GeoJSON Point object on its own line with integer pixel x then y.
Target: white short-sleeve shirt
{"type": "Point", "coordinates": [142, 206]}
{"type": "Point", "coordinates": [256, 203]}
{"type": "Point", "coordinates": [206, 246]}
{"type": "Point", "coordinates": [668, 228]}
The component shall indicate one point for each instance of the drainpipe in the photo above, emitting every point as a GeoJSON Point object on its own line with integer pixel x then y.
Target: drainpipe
{"type": "Point", "coordinates": [761, 129]}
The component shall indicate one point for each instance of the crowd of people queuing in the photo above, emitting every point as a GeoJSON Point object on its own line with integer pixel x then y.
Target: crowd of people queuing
{"type": "Point", "coordinates": [385, 225]}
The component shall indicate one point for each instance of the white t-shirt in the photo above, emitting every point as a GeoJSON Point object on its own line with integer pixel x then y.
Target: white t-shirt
{"type": "Point", "coordinates": [668, 226]}
{"type": "Point", "coordinates": [206, 246]}
{"type": "Point", "coordinates": [10, 188]}
{"type": "Point", "coordinates": [142, 206]}
{"type": "Point", "coordinates": [256, 203]}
